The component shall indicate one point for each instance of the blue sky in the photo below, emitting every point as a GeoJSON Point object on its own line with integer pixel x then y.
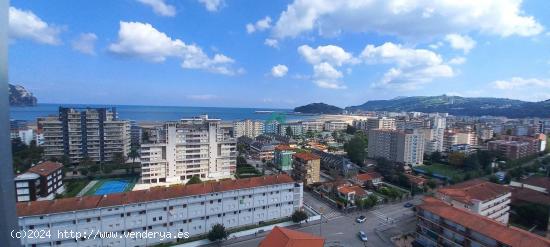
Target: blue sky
{"type": "Point", "coordinates": [278, 53]}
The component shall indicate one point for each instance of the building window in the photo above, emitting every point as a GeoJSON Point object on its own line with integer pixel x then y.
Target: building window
{"type": "Point", "coordinates": [184, 205]}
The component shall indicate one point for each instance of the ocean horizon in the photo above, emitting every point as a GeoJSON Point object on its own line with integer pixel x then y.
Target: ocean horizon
{"type": "Point", "coordinates": [144, 113]}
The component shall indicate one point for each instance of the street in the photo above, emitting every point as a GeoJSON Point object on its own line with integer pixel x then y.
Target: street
{"type": "Point", "coordinates": [340, 229]}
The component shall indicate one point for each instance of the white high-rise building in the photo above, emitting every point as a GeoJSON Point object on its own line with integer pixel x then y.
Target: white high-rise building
{"type": "Point", "coordinates": [200, 147]}
{"type": "Point", "coordinates": [435, 137]}
{"type": "Point", "coordinates": [381, 123]}
{"type": "Point", "coordinates": [248, 128]}
{"type": "Point", "coordinates": [95, 133]}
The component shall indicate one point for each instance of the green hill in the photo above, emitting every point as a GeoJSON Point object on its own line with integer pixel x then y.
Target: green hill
{"type": "Point", "coordinates": [319, 108]}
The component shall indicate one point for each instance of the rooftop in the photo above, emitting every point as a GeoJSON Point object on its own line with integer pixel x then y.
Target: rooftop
{"type": "Point", "coordinates": [368, 176]}
{"type": "Point", "coordinates": [46, 168]}
{"type": "Point", "coordinates": [283, 148]}
{"type": "Point", "coordinates": [140, 196]}
{"type": "Point", "coordinates": [475, 189]}
{"type": "Point", "coordinates": [306, 156]}
{"type": "Point", "coordinates": [543, 182]}
{"type": "Point", "coordinates": [282, 237]}
{"type": "Point", "coordinates": [510, 236]}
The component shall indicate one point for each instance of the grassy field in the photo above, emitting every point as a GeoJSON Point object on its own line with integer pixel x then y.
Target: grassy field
{"type": "Point", "coordinates": [75, 186]}
{"type": "Point", "coordinates": [441, 169]}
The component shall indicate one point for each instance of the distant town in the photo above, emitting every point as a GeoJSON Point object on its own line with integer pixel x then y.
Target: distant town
{"type": "Point", "coordinates": [339, 179]}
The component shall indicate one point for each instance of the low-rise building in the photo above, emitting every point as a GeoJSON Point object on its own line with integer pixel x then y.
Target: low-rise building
{"type": "Point", "coordinates": [440, 224]}
{"type": "Point", "coordinates": [175, 209]}
{"type": "Point", "coordinates": [335, 126]}
{"type": "Point", "coordinates": [283, 237]}
{"type": "Point", "coordinates": [368, 179]}
{"type": "Point", "coordinates": [40, 182]}
{"type": "Point", "coordinates": [306, 168]}
{"type": "Point", "coordinates": [283, 157]}
{"type": "Point", "coordinates": [479, 196]}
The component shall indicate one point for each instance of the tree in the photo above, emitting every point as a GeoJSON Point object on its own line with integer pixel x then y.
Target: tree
{"type": "Point", "coordinates": [472, 162]}
{"type": "Point", "coordinates": [288, 131]}
{"type": "Point", "coordinates": [217, 233]}
{"type": "Point", "coordinates": [241, 161]}
{"type": "Point", "coordinates": [194, 180]}
{"type": "Point", "coordinates": [351, 130]}
{"type": "Point", "coordinates": [494, 179]}
{"type": "Point", "coordinates": [456, 159]}
{"type": "Point", "coordinates": [431, 184]}
{"type": "Point", "coordinates": [118, 158]}
{"type": "Point", "coordinates": [355, 148]}
{"type": "Point", "coordinates": [299, 216]}
{"type": "Point", "coordinates": [435, 156]}
{"type": "Point", "coordinates": [134, 154]}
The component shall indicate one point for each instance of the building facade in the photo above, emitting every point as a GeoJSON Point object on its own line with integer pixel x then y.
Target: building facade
{"type": "Point", "coordinates": [248, 128]}
{"type": "Point", "coordinates": [306, 168]}
{"type": "Point", "coordinates": [200, 147]}
{"type": "Point", "coordinates": [282, 157]}
{"type": "Point", "coordinates": [40, 182]}
{"type": "Point", "coordinates": [440, 224]}
{"type": "Point", "coordinates": [384, 123]}
{"type": "Point", "coordinates": [176, 209]}
{"type": "Point", "coordinates": [95, 133]}
{"type": "Point", "coordinates": [480, 197]}
{"type": "Point", "coordinates": [398, 146]}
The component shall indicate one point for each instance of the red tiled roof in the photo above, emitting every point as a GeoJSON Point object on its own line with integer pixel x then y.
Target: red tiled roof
{"type": "Point", "coordinates": [348, 189]}
{"type": "Point", "coordinates": [306, 156]}
{"type": "Point", "coordinates": [543, 182]}
{"type": "Point", "coordinates": [368, 176]}
{"type": "Point", "coordinates": [139, 196]}
{"type": "Point", "coordinates": [283, 148]}
{"type": "Point", "coordinates": [475, 189]}
{"type": "Point", "coordinates": [282, 237]}
{"type": "Point", "coordinates": [529, 195]}
{"type": "Point", "coordinates": [46, 168]}
{"type": "Point", "coordinates": [508, 235]}
{"type": "Point", "coordinates": [416, 179]}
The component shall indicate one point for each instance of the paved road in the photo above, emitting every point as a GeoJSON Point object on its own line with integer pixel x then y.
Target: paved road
{"type": "Point", "coordinates": [382, 223]}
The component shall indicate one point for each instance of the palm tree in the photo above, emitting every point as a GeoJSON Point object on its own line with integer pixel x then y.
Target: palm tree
{"type": "Point", "coordinates": [134, 154]}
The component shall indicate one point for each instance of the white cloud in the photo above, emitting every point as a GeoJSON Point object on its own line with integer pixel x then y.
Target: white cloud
{"type": "Point", "coordinates": [260, 25]}
{"type": "Point", "coordinates": [136, 39]}
{"type": "Point", "coordinates": [411, 67]}
{"type": "Point", "coordinates": [408, 19]}
{"type": "Point", "coordinates": [457, 60]}
{"type": "Point", "coordinates": [213, 5]}
{"type": "Point", "coordinates": [331, 54]}
{"type": "Point", "coordinates": [460, 42]}
{"type": "Point", "coordinates": [279, 70]}
{"type": "Point", "coordinates": [519, 82]}
{"type": "Point", "coordinates": [160, 7]}
{"type": "Point", "coordinates": [24, 24]}
{"type": "Point", "coordinates": [325, 60]}
{"type": "Point", "coordinates": [436, 46]}
{"type": "Point", "coordinates": [326, 76]}
{"type": "Point", "coordinates": [271, 43]}
{"type": "Point", "coordinates": [85, 43]}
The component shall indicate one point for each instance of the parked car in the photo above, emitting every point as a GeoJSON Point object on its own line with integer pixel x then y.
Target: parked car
{"type": "Point", "coordinates": [408, 205]}
{"type": "Point", "coordinates": [363, 236]}
{"type": "Point", "coordinates": [361, 219]}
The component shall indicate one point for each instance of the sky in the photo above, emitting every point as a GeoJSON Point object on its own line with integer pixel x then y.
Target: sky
{"type": "Point", "coordinates": [280, 54]}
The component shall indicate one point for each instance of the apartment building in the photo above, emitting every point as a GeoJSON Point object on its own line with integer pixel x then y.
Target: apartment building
{"type": "Point", "coordinates": [384, 123]}
{"type": "Point", "coordinates": [95, 133]}
{"type": "Point", "coordinates": [398, 146]}
{"type": "Point", "coordinates": [440, 224]}
{"type": "Point", "coordinates": [40, 182]}
{"type": "Point", "coordinates": [312, 126]}
{"type": "Point", "coordinates": [296, 128]}
{"type": "Point", "coordinates": [306, 168]}
{"type": "Point", "coordinates": [248, 128]}
{"type": "Point", "coordinates": [199, 146]}
{"type": "Point", "coordinates": [174, 209]}
{"type": "Point", "coordinates": [335, 126]}
{"type": "Point", "coordinates": [282, 157]}
{"type": "Point", "coordinates": [480, 197]}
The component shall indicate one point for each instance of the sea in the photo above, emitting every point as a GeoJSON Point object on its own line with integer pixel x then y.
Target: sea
{"type": "Point", "coordinates": [163, 113]}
